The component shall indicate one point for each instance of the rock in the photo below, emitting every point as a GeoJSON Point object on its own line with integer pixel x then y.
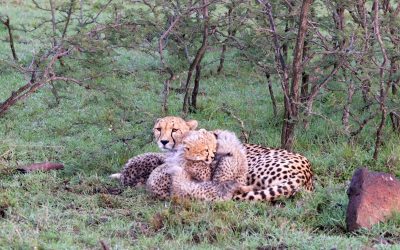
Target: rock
{"type": "Point", "coordinates": [373, 197]}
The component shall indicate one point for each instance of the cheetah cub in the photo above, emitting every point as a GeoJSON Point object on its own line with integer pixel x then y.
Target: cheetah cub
{"type": "Point", "coordinates": [196, 174]}
{"type": "Point", "coordinates": [230, 161]}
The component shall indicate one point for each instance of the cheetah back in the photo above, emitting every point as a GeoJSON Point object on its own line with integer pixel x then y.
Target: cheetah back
{"type": "Point", "coordinates": [275, 173]}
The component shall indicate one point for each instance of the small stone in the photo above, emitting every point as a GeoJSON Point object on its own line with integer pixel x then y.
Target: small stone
{"type": "Point", "coordinates": [373, 198]}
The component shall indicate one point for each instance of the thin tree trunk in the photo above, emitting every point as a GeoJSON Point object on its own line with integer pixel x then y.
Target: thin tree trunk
{"type": "Point", "coordinates": [167, 82]}
{"type": "Point", "coordinates": [199, 55]}
{"type": "Point", "coordinates": [291, 115]}
{"type": "Point", "coordinates": [196, 87]}
{"type": "Point", "coordinates": [222, 59]}
{"type": "Point", "coordinates": [271, 93]}
{"type": "Point", "coordinates": [393, 71]}
{"type": "Point", "coordinates": [305, 85]}
{"type": "Point", "coordinates": [346, 108]}
{"type": "Point", "coordinates": [80, 13]}
{"type": "Point", "coordinates": [69, 13]}
{"type": "Point", "coordinates": [395, 119]}
{"type": "Point", "coordinates": [53, 21]}
{"type": "Point", "coordinates": [285, 44]}
{"type": "Point", "coordinates": [231, 32]}
{"type": "Point", "coordinates": [167, 85]}
{"type": "Point", "coordinates": [280, 64]}
{"type": "Point", "coordinates": [6, 22]}
{"type": "Point", "coordinates": [316, 88]}
{"type": "Point", "coordinates": [383, 89]}
{"type": "Point", "coordinates": [55, 93]}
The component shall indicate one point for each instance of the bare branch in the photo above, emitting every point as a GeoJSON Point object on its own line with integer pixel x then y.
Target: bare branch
{"type": "Point", "coordinates": [244, 132]}
{"type": "Point", "coordinates": [6, 22]}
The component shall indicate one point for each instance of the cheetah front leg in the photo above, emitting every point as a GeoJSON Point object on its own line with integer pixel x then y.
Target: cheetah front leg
{"type": "Point", "coordinates": [184, 186]}
{"type": "Point", "coordinates": [138, 169]}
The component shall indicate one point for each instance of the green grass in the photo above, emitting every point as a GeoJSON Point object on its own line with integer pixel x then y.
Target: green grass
{"type": "Point", "coordinates": [94, 132]}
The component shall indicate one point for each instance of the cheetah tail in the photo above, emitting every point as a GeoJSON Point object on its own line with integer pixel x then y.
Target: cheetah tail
{"type": "Point", "coordinates": [116, 176]}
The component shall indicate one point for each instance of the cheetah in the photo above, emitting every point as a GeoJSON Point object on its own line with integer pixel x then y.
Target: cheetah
{"type": "Point", "coordinates": [231, 162]}
{"type": "Point", "coordinates": [274, 173]}
{"type": "Point", "coordinates": [182, 185]}
{"type": "Point", "coordinates": [191, 169]}
{"type": "Point", "coordinates": [168, 132]}
{"type": "Point", "coordinates": [195, 154]}
{"type": "Point", "coordinates": [192, 164]}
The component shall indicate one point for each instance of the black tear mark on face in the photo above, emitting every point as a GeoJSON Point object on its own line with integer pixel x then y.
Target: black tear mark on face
{"type": "Point", "coordinates": [208, 154]}
{"type": "Point", "coordinates": [159, 134]}
{"type": "Point", "coordinates": [172, 136]}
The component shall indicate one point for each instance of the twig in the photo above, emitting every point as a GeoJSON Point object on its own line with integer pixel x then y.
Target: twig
{"type": "Point", "coordinates": [6, 22]}
{"type": "Point", "coordinates": [69, 13]}
{"type": "Point", "coordinates": [94, 19]}
{"type": "Point", "coordinates": [244, 133]}
{"type": "Point", "coordinates": [47, 76]}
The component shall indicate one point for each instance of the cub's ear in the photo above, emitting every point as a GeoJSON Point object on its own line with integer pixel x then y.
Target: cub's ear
{"type": "Point", "coordinates": [192, 124]}
{"type": "Point", "coordinates": [216, 135]}
{"type": "Point", "coordinates": [157, 120]}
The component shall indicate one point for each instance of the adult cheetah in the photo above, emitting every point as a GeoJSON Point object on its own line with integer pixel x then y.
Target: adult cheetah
{"type": "Point", "coordinates": [274, 173]}
{"type": "Point", "coordinates": [168, 132]}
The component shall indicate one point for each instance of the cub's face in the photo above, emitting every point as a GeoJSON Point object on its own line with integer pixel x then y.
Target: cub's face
{"type": "Point", "coordinates": [199, 146]}
{"type": "Point", "coordinates": [169, 131]}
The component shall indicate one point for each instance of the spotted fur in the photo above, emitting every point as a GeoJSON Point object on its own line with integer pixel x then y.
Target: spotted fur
{"type": "Point", "coordinates": [194, 176]}
{"type": "Point", "coordinates": [274, 174]}
{"type": "Point", "coordinates": [168, 133]}
{"type": "Point", "coordinates": [231, 162]}
{"type": "Point", "coordinates": [190, 164]}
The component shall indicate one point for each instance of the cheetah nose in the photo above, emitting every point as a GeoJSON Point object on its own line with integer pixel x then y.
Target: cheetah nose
{"type": "Point", "coordinates": [164, 142]}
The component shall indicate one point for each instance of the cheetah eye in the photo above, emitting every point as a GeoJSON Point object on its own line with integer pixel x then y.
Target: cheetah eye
{"type": "Point", "coordinates": [174, 130]}
{"type": "Point", "coordinates": [158, 129]}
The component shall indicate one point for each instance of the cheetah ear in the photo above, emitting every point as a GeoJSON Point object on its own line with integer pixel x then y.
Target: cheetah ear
{"type": "Point", "coordinates": [192, 124]}
{"type": "Point", "coordinates": [216, 135]}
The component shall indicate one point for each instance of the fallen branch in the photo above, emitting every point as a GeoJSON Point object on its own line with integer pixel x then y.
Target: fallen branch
{"type": "Point", "coordinates": [44, 166]}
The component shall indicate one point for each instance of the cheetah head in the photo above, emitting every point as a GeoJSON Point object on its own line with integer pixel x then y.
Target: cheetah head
{"type": "Point", "coordinates": [199, 145]}
{"type": "Point", "coordinates": [169, 131]}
